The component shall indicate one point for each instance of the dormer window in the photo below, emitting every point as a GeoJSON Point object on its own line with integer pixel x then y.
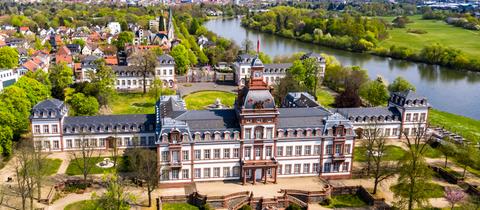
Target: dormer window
{"type": "Point", "coordinates": [318, 132]}
{"type": "Point", "coordinates": [44, 114]}
{"type": "Point", "coordinates": [226, 135]}
{"type": "Point", "coordinates": [207, 136]}
{"type": "Point", "coordinates": [280, 133]}
{"type": "Point", "coordinates": [309, 132]}
{"type": "Point", "coordinates": [289, 133]}
{"type": "Point", "coordinates": [164, 137]}
{"type": "Point", "coordinates": [236, 135]}
{"type": "Point", "coordinates": [197, 136]}
{"type": "Point", "coordinates": [217, 135]}
{"type": "Point", "coordinates": [299, 132]}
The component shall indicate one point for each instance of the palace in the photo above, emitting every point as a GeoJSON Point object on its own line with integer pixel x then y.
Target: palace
{"type": "Point", "coordinates": [255, 141]}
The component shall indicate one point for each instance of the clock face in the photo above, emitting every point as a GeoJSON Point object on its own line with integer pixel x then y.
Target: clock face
{"type": "Point", "coordinates": [257, 74]}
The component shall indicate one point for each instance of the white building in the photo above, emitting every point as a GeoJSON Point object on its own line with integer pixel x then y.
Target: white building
{"type": "Point", "coordinates": [272, 72]}
{"type": "Point", "coordinates": [114, 28]}
{"type": "Point", "coordinates": [7, 77]}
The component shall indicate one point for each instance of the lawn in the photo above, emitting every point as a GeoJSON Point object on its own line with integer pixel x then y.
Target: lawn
{"type": "Point", "coordinates": [73, 169]}
{"type": "Point", "coordinates": [178, 206]}
{"type": "Point", "coordinates": [432, 152]}
{"type": "Point", "coordinates": [467, 127]}
{"type": "Point", "coordinates": [432, 190]}
{"type": "Point", "coordinates": [346, 201]}
{"type": "Point", "coordinates": [391, 153]}
{"type": "Point", "coordinates": [325, 98]}
{"type": "Point", "coordinates": [132, 103]}
{"type": "Point", "coordinates": [81, 205]}
{"type": "Point", "coordinates": [52, 166]}
{"type": "Point", "coordinates": [200, 100]}
{"type": "Point", "coordinates": [437, 32]}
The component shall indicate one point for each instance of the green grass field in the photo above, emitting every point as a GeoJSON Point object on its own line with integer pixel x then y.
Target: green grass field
{"type": "Point", "coordinates": [132, 103]}
{"type": "Point", "coordinates": [346, 201]}
{"type": "Point", "coordinates": [178, 206]}
{"type": "Point", "coordinates": [392, 153]}
{"type": "Point", "coordinates": [467, 127]}
{"type": "Point", "coordinates": [200, 100]}
{"type": "Point", "coordinates": [432, 190]}
{"type": "Point", "coordinates": [52, 166]}
{"type": "Point", "coordinates": [73, 169]}
{"type": "Point", "coordinates": [325, 98]}
{"type": "Point", "coordinates": [81, 205]}
{"type": "Point", "coordinates": [437, 32]}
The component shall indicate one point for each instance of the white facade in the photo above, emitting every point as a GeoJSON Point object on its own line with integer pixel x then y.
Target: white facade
{"type": "Point", "coordinates": [114, 28]}
{"type": "Point", "coordinates": [7, 77]}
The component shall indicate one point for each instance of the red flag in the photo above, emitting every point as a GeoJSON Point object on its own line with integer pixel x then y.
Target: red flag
{"type": "Point", "coordinates": [258, 45]}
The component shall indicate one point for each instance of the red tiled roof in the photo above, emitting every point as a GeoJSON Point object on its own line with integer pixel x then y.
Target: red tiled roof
{"type": "Point", "coordinates": [31, 65]}
{"type": "Point", "coordinates": [63, 51]}
{"type": "Point", "coordinates": [63, 58]}
{"type": "Point", "coordinates": [111, 60]}
{"type": "Point", "coordinates": [24, 28]}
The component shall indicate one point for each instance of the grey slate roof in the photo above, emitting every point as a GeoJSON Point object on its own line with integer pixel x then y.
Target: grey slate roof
{"type": "Point", "coordinates": [410, 95]}
{"type": "Point", "coordinates": [51, 103]}
{"type": "Point", "coordinates": [261, 97]}
{"type": "Point", "coordinates": [368, 112]}
{"type": "Point", "coordinates": [277, 66]}
{"type": "Point", "coordinates": [210, 120]}
{"type": "Point", "coordinates": [301, 99]}
{"type": "Point", "coordinates": [117, 68]}
{"type": "Point", "coordinates": [245, 58]}
{"type": "Point", "coordinates": [310, 117]}
{"type": "Point", "coordinates": [105, 120]}
{"type": "Point", "coordinates": [166, 59]}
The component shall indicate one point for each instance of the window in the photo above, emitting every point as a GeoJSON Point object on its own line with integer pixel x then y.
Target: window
{"type": "Point", "coordinates": [296, 169]}
{"type": "Point", "coordinates": [422, 117]}
{"type": "Point", "coordinates": [289, 151]}
{"type": "Point", "coordinates": [336, 167]}
{"type": "Point", "coordinates": [165, 155]}
{"type": "Point", "coordinates": [198, 173]}
{"type": "Point", "coordinates": [247, 133]}
{"type": "Point", "coordinates": [216, 154]}
{"type": "Point", "coordinates": [395, 132]}
{"type": "Point", "coordinates": [316, 167]}
{"type": "Point", "coordinates": [46, 144]}
{"type": "Point", "coordinates": [185, 174]}
{"type": "Point", "coordinates": [306, 168]}
{"type": "Point", "coordinates": [165, 175]}
{"type": "Point", "coordinates": [164, 72]}
{"type": "Point", "coordinates": [259, 132]}
{"type": "Point", "coordinates": [316, 150]}
{"type": "Point", "coordinates": [143, 141]}
{"type": "Point", "coordinates": [216, 172]}
{"type": "Point", "coordinates": [36, 128]}
{"type": "Point", "coordinates": [308, 150]}
{"type": "Point", "coordinates": [329, 149]}
{"type": "Point", "coordinates": [77, 142]}
{"type": "Point", "coordinates": [269, 133]}
{"type": "Point", "coordinates": [69, 143]}
{"type": "Point", "coordinates": [298, 150]}
{"type": "Point", "coordinates": [175, 174]}
{"type": "Point", "coordinates": [236, 153]}
{"type": "Point", "coordinates": [280, 151]}
{"type": "Point", "coordinates": [236, 171]}
{"type": "Point", "coordinates": [54, 128]}
{"type": "Point", "coordinates": [55, 145]}
{"type": "Point", "coordinates": [45, 129]}
{"type": "Point", "coordinates": [345, 166]}
{"type": "Point", "coordinates": [326, 167]}
{"type": "Point", "coordinates": [185, 154]}
{"type": "Point", "coordinates": [407, 118]}
{"type": "Point", "coordinates": [258, 152]}
{"type": "Point", "coordinates": [226, 172]}
{"type": "Point", "coordinates": [406, 131]}
{"type": "Point", "coordinates": [347, 148]}
{"type": "Point", "coordinates": [415, 117]}
{"type": "Point", "coordinates": [279, 170]}
{"type": "Point", "coordinates": [338, 149]}
{"type": "Point", "coordinates": [206, 154]}
{"type": "Point", "coordinates": [268, 152]}
{"type": "Point", "coordinates": [198, 154]}
{"type": "Point", "coordinates": [206, 173]}
{"type": "Point", "coordinates": [102, 142]}
{"type": "Point", "coordinates": [288, 169]}
{"type": "Point", "coordinates": [170, 72]}
{"type": "Point", "coordinates": [247, 152]}
{"type": "Point", "coordinates": [387, 132]}
{"type": "Point", "coordinates": [226, 153]}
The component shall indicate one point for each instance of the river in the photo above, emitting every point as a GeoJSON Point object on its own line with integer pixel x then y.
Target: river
{"type": "Point", "coordinates": [447, 89]}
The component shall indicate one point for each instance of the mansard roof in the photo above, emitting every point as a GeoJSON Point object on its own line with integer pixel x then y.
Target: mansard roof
{"type": "Point", "coordinates": [410, 95]}
{"type": "Point", "coordinates": [117, 68]}
{"type": "Point", "coordinates": [166, 59]}
{"type": "Point", "coordinates": [317, 56]}
{"type": "Point", "coordinates": [259, 99]}
{"type": "Point", "coordinates": [368, 112]}
{"type": "Point", "coordinates": [272, 66]}
{"type": "Point", "coordinates": [110, 120]}
{"type": "Point", "coordinates": [301, 99]}
{"type": "Point", "coordinates": [51, 103]}
{"type": "Point", "coordinates": [245, 58]}
{"type": "Point", "coordinates": [210, 120]}
{"type": "Point", "coordinates": [311, 117]}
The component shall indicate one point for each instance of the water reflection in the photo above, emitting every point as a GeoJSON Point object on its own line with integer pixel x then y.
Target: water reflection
{"type": "Point", "coordinates": [447, 89]}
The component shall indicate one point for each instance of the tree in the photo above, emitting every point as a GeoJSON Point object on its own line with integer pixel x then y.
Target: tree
{"type": "Point", "coordinates": [61, 77]}
{"type": "Point", "coordinates": [156, 88]}
{"type": "Point", "coordinates": [354, 79]}
{"type": "Point", "coordinates": [6, 138]}
{"type": "Point", "coordinates": [375, 92]}
{"type": "Point", "coordinates": [116, 195]}
{"type": "Point", "coordinates": [123, 38]}
{"type": "Point", "coordinates": [284, 86]}
{"type": "Point", "coordinates": [414, 174]}
{"type": "Point", "coordinates": [467, 156]}
{"type": "Point", "coordinates": [146, 61]}
{"type": "Point", "coordinates": [80, 42]}
{"type": "Point", "coordinates": [182, 61]}
{"type": "Point", "coordinates": [8, 57]}
{"type": "Point", "coordinates": [400, 84]}
{"type": "Point", "coordinates": [84, 157]}
{"type": "Point", "coordinates": [157, 51]}
{"type": "Point", "coordinates": [83, 105]}
{"type": "Point", "coordinates": [40, 166]}
{"type": "Point", "coordinates": [24, 173]}
{"type": "Point", "coordinates": [35, 90]}
{"type": "Point", "coordinates": [247, 45]}
{"type": "Point", "coordinates": [143, 163]}
{"type": "Point", "coordinates": [265, 58]}
{"type": "Point", "coordinates": [448, 149]}
{"type": "Point", "coordinates": [104, 82]}
{"type": "Point", "coordinates": [15, 109]}
{"type": "Point", "coordinates": [453, 196]}
{"type": "Point", "coordinates": [41, 76]}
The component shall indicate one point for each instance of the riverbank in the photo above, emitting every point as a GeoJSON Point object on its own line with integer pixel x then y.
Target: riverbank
{"type": "Point", "coordinates": [436, 44]}
{"type": "Point", "coordinates": [467, 127]}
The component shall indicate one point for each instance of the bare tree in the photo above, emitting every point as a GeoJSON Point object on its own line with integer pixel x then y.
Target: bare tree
{"type": "Point", "coordinates": [40, 165]}
{"type": "Point", "coordinates": [24, 172]}
{"type": "Point", "coordinates": [83, 159]}
{"type": "Point", "coordinates": [414, 174]}
{"type": "Point", "coordinates": [146, 60]}
{"type": "Point", "coordinates": [143, 163]}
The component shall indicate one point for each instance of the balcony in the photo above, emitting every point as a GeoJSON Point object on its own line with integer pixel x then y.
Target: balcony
{"type": "Point", "coordinates": [260, 163]}
{"type": "Point", "coordinates": [338, 157]}
{"type": "Point", "coordinates": [175, 164]}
